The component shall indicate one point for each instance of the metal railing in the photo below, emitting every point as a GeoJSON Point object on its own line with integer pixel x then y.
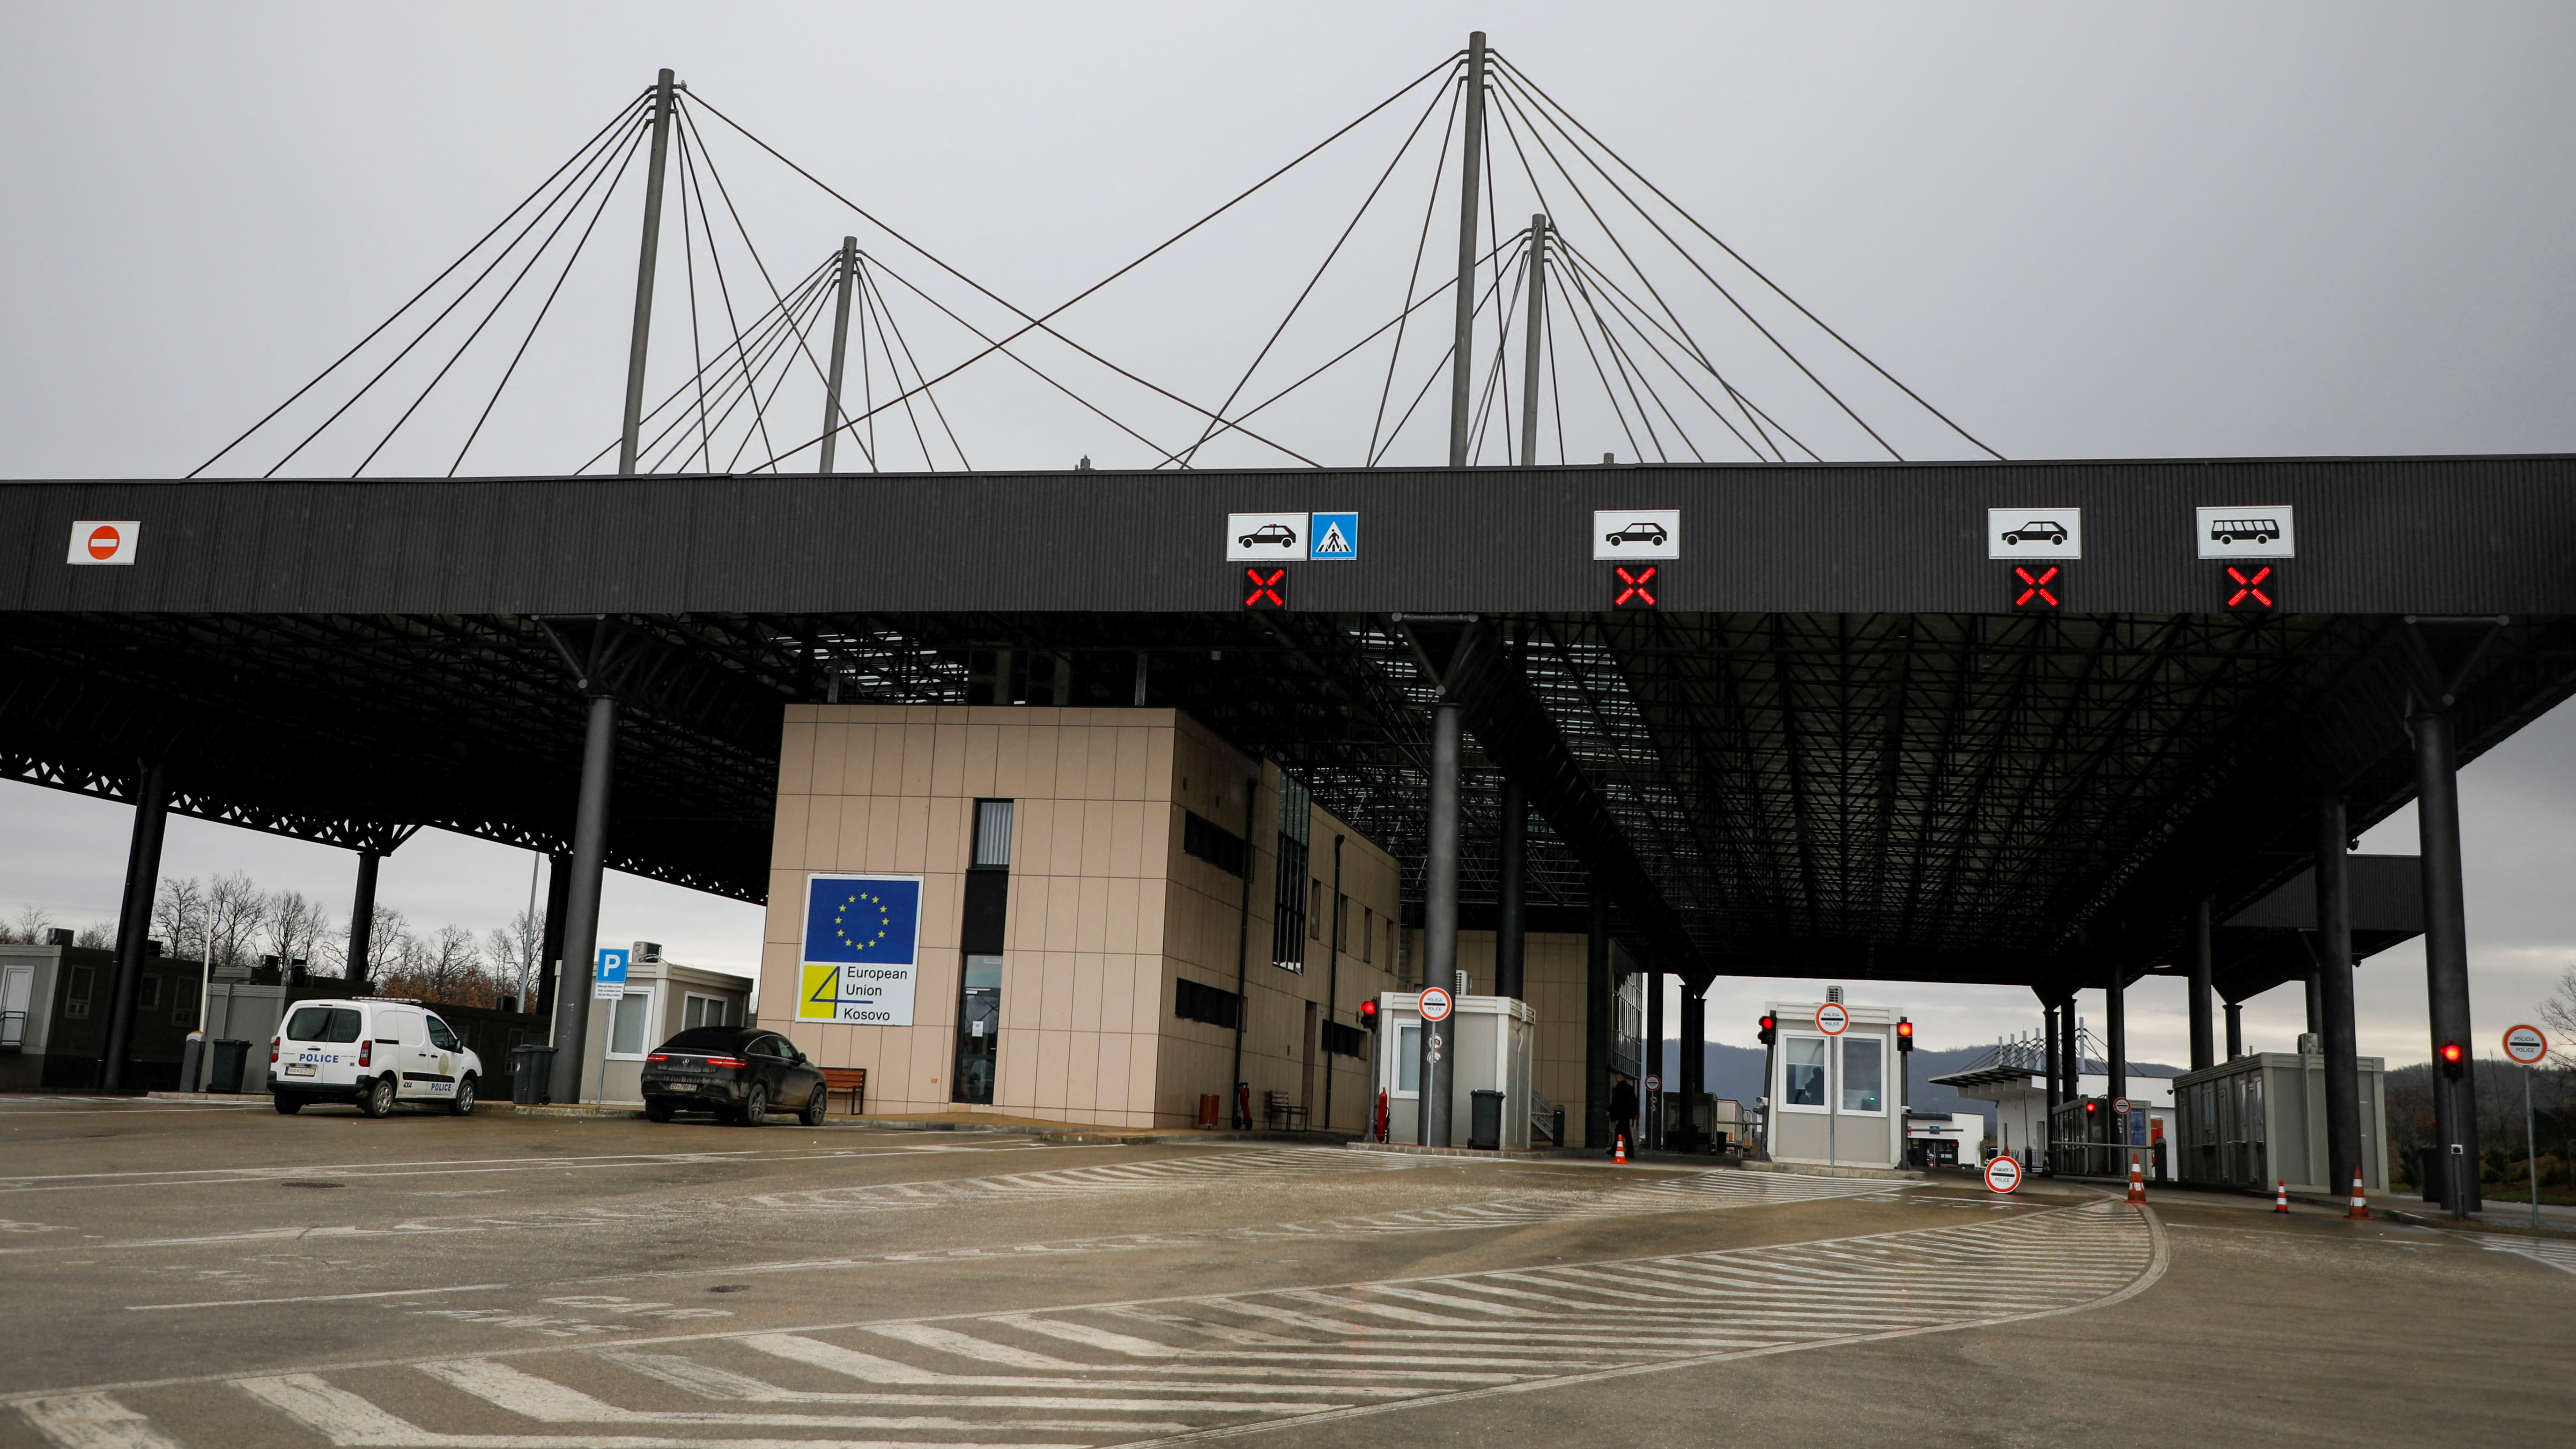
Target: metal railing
{"type": "Point", "coordinates": [1546, 1117]}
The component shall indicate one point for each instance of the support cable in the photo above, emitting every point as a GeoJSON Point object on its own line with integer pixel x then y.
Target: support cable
{"type": "Point", "coordinates": [1603, 373]}
{"type": "Point", "coordinates": [760, 404]}
{"type": "Point", "coordinates": [720, 367]}
{"type": "Point", "coordinates": [887, 315]}
{"type": "Point", "coordinates": [577, 159]}
{"type": "Point", "coordinates": [570, 211]}
{"type": "Point", "coordinates": [697, 351]}
{"type": "Point", "coordinates": [1446, 354]}
{"type": "Point", "coordinates": [1413, 278]}
{"type": "Point", "coordinates": [1217, 421]}
{"type": "Point", "coordinates": [543, 311]}
{"type": "Point", "coordinates": [1039, 323]}
{"type": "Point", "coordinates": [715, 263]}
{"type": "Point", "coordinates": [1625, 306]}
{"type": "Point", "coordinates": [443, 314]}
{"type": "Point", "coordinates": [1511, 106]}
{"type": "Point", "coordinates": [1497, 382]}
{"type": "Point", "coordinates": [1523, 79]}
{"type": "Point", "coordinates": [733, 373]}
{"type": "Point", "coordinates": [1609, 287]}
{"type": "Point", "coordinates": [895, 370]}
{"type": "Point", "coordinates": [803, 344]}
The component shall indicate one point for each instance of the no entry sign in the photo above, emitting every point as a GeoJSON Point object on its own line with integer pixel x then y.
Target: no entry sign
{"type": "Point", "coordinates": [103, 541]}
{"type": "Point", "coordinates": [1831, 1018]}
{"type": "Point", "coordinates": [1435, 1003]}
{"type": "Point", "coordinates": [2003, 1174]}
{"type": "Point", "coordinates": [2526, 1045]}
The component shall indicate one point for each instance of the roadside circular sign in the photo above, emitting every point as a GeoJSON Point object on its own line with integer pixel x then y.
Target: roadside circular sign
{"type": "Point", "coordinates": [1654, 1084]}
{"type": "Point", "coordinates": [1831, 1018]}
{"type": "Point", "coordinates": [1435, 1003]}
{"type": "Point", "coordinates": [2003, 1174]}
{"type": "Point", "coordinates": [2119, 1106]}
{"type": "Point", "coordinates": [2526, 1045]}
{"type": "Point", "coordinates": [104, 541]}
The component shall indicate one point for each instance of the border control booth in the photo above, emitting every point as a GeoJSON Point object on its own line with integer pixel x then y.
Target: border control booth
{"type": "Point", "coordinates": [1836, 1094]}
{"type": "Point", "coordinates": [1489, 1039]}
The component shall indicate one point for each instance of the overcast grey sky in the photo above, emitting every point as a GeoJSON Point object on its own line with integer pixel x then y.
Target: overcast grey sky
{"type": "Point", "coordinates": [2082, 232]}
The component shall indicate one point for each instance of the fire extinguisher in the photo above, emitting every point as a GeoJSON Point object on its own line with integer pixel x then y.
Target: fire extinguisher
{"type": "Point", "coordinates": [1381, 1115]}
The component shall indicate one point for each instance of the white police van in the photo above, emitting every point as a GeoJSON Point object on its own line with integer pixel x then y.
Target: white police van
{"type": "Point", "coordinates": [372, 1051]}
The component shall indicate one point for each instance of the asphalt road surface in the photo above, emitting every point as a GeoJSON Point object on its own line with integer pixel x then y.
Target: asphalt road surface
{"type": "Point", "coordinates": [185, 1274]}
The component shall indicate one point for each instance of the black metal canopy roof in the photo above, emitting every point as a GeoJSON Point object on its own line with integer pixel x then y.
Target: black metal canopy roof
{"type": "Point", "coordinates": [1929, 793]}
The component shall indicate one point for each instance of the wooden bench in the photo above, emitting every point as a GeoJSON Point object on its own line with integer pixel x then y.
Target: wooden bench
{"type": "Point", "coordinates": [853, 1080]}
{"type": "Point", "coordinates": [1288, 1116]}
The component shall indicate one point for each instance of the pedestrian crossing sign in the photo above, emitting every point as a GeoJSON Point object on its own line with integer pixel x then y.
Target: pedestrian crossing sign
{"type": "Point", "coordinates": [1333, 537]}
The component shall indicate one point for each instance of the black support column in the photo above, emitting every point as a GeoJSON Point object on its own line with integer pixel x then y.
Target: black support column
{"type": "Point", "coordinates": [2333, 943]}
{"type": "Point", "coordinates": [1597, 996]}
{"type": "Point", "coordinates": [1511, 896]}
{"type": "Point", "coordinates": [2056, 1079]}
{"type": "Point", "coordinates": [1650, 1131]}
{"type": "Point", "coordinates": [1440, 924]}
{"type": "Point", "coordinates": [2202, 964]}
{"type": "Point", "coordinates": [134, 921]}
{"type": "Point", "coordinates": [2235, 1030]}
{"type": "Point", "coordinates": [2446, 949]}
{"type": "Point", "coordinates": [581, 900]}
{"type": "Point", "coordinates": [2115, 1032]}
{"type": "Point", "coordinates": [362, 918]}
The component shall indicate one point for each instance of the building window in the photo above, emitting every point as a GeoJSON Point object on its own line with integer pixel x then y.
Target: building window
{"type": "Point", "coordinates": [1864, 1074]}
{"type": "Point", "coordinates": [1802, 1072]}
{"type": "Point", "coordinates": [696, 1010]}
{"type": "Point", "coordinates": [1393, 958]}
{"type": "Point", "coordinates": [1368, 933]}
{"type": "Point", "coordinates": [979, 1030]}
{"type": "Point", "coordinates": [1314, 910]}
{"type": "Point", "coordinates": [1342, 924]}
{"type": "Point", "coordinates": [1288, 928]}
{"type": "Point", "coordinates": [627, 1028]}
{"type": "Point", "coordinates": [76, 993]}
{"type": "Point", "coordinates": [1408, 1061]}
{"type": "Point", "coordinates": [1211, 842]}
{"type": "Point", "coordinates": [992, 835]}
{"type": "Point", "coordinates": [183, 1003]}
{"type": "Point", "coordinates": [1194, 1002]}
{"type": "Point", "coordinates": [150, 996]}
{"type": "Point", "coordinates": [1345, 1041]}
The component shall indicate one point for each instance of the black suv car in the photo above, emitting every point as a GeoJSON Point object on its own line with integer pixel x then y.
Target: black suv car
{"type": "Point", "coordinates": [740, 1073]}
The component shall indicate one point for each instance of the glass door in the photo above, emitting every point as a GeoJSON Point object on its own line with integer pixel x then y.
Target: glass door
{"type": "Point", "coordinates": [979, 1029]}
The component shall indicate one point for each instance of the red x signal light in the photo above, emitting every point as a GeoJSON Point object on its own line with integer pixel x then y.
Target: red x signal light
{"type": "Point", "coordinates": [1632, 586]}
{"type": "Point", "coordinates": [2038, 588]}
{"type": "Point", "coordinates": [2251, 588]}
{"type": "Point", "coordinates": [1265, 588]}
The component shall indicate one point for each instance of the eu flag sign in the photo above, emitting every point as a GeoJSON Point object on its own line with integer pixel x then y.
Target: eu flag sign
{"type": "Point", "coordinates": [862, 949]}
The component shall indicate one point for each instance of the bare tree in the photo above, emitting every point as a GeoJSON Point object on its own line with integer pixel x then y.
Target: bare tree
{"type": "Point", "coordinates": [295, 924]}
{"type": "Point", "coordinates": [179, 917]}
{"type": "Point", "coordinates": [2558, 1014]}
{"type": "Point", "coordinates": [513, 951]}
{"type": "Point", "coordinates": [235, 909]}
{"type": "Point", "coordinates": [29, 928]}
{"type": "Point", "coordinates": [97, 936]}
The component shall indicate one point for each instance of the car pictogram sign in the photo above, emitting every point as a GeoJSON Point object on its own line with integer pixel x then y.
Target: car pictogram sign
{"type": "Point", "coordinates": [1435, 1003]}
{"type": "Point", "coordinates": [1831, 1018]}
{"type": "Point", "coordinates": [2003, 1174]}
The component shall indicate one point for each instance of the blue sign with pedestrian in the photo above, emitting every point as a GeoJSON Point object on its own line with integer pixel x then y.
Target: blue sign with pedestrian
{"type": "Point", "coordinates": [1333, 537]}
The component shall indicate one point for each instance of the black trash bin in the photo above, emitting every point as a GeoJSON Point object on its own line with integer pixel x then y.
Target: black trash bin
{"type": "Point", "coordinates": [1485, 1120]}
{"type": "Point", "coordinates": [532, 1069]}
{"type": "Point", "coordinates": [231, 1059]}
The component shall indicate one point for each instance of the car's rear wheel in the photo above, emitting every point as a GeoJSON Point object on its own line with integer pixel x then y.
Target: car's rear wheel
{"type": "Point", "coordinates": [657, 1109]}
{"type": "Point", "coordinates": [286, 1106]}
{"type": "Point", "coordinates": [378, 1098]}
{"type": "Point", "coordinates": [755, 1107]}
{"type": "Point", "coordinates": [815, 1107]}
{"type": "Point", "coordinates": [463, 1102]}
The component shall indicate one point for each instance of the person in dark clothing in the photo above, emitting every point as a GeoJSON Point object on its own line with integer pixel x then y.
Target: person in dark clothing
{"type": "Point", "coordinates": [1623, 1108]}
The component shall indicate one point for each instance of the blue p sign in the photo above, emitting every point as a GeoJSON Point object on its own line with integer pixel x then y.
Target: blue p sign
{"type": "Point", "coordinates": [612, 966]}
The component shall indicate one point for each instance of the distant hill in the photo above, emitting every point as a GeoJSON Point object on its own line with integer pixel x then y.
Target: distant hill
{"type": "Point", "coordinates": [1736, 1071]}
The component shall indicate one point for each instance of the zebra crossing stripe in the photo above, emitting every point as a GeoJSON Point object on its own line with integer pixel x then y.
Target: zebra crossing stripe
{"type": "Point", "coordinates": [2558, 1255]}
{"type": "Point", "coordinates": [1180, 1370]}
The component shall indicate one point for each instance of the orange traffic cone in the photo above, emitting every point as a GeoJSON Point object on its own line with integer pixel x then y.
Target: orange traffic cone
{"type": "Point", "coordinates": [2360, 1206]}
{"type": "Point", "coordinates": [2281, 1197]}
{"type": "Point", "coordinates": [2137, 1183]}
{"type": "Point", "coordinates": [1621, 1153]}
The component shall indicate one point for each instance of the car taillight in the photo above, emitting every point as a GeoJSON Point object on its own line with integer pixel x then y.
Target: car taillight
{"type": "Point", "coordinates": [272, 1049]}
{"type": "Point", "coordinates": [366, 1052]}
{"type": "Point", "coordinates": [659, 1057]}
{"type": "Point", "coordinates": [727, 1062]}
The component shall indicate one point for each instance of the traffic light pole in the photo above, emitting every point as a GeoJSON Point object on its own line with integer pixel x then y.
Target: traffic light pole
{"type": "Point", "coordinates": [2335, 988]}
{"type": "Point", "coordinates": [2446, 949]}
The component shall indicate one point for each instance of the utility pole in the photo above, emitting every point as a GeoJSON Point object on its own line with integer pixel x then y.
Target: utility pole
{"type": "Point", "coordinates": [840, 351]}
{"type": "Point", "coordinates": [1462, 360]}
{"type": "Point", "coordinates": [626, 446]}
{"type": "Point", "coordinates": [1530, 342]}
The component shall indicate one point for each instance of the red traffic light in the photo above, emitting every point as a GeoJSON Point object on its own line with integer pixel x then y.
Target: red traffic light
{"type": "Point", "coordinates": [1768, 1023]}
{"type": "Point", "coordinates": [2450, 1051]}
{"type": "Point", "coordinates": [1905, 1028]}
{"type": "Point", "coordinates": [1904, 1034]}
{"type": "Point", "coordinates": [2092, 1107]}
{"type": "Point", "coordinates": [1368, 1013]}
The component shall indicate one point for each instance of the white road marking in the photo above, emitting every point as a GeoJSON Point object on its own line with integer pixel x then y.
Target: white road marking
{"type": "Point", "coordinates": [315, 1298]}
{"type": "Point", "coordinates": [2557, 1254]}
{"type": "Point", "coordinates": [464, 1167]}
{"type": "Point", "coordinates": [92, 1421]}
{"type": "Point", "coordinates": [1175, 1370]}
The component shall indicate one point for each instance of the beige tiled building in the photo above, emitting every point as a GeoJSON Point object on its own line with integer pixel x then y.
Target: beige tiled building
{"type": "Point", "coordinates": [1122, 900]}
